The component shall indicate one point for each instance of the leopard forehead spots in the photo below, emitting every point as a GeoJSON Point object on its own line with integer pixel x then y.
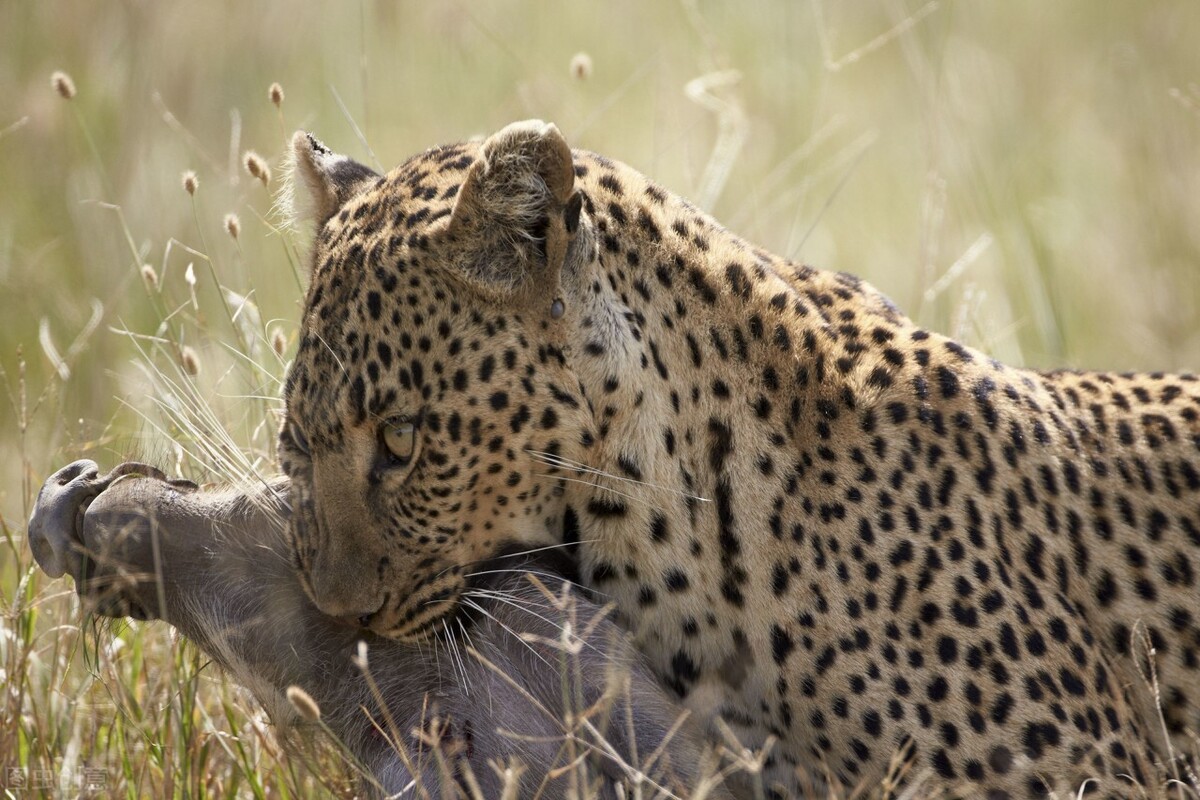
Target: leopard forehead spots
{"type": "Point", "coordinates": [822, 523]}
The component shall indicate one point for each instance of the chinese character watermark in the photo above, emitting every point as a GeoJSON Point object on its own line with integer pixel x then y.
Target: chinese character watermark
{"type": "Point", "coordinates": [82, 779]}
{"type": "Point", "coordinates": [93, 778]}
{"type": "Point", "coordinates": [16, 778]}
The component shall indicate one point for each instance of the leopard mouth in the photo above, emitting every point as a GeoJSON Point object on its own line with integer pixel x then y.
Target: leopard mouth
{"type": "Point", "coordinates": [453, 605]}
{"type": "Point", "coordinates": [496, 575]}
{"type": "Point", "coordinates": [423, 617]}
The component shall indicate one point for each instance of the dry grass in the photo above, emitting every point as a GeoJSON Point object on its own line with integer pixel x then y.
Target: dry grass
{"type": "Point", "coordinates": [1024, 175]}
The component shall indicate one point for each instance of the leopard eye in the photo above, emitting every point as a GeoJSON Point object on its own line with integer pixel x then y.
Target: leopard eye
{"type": "Point", "coordinates": [299, 440]}
{"type": "Point", "coordinates": [400, 438]}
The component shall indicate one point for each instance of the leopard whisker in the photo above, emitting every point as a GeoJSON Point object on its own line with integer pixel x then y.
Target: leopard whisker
{"type": "Point", "coordinates": [547, 575]}
{"type": "Point", "coordinates": [502, 598]}
{"type": "Point", "coordinates": [341, 366]}
{"type": "Point", "coordinates": [470, 645]}
{"type": "Point", "coordinates": [456, 657]}
{"type": "Point", "coordinates": [472, 604]}
{"type": "Point", "coordinates": [515, 599]}
{"type": "Point", "coordinates": [541, 549]}
{"type": "Point", "coordinates": [597, 486]}
{"type": "Point", "coordinates": [576, 466]}
{"type": "Point", "coordinates": [517, 554]}
{"type": "Point", "coordinates": [466, 633]}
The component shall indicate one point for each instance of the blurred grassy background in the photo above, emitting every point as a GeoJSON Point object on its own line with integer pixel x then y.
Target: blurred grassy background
{"type": "Point", "coordinates": [1024, 174]}
{"type": "Point", "coordinates": [1051, 150]}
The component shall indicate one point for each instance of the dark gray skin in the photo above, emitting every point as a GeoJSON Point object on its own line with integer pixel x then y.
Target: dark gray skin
{"type": "Point", "coordinates": [216, 565]}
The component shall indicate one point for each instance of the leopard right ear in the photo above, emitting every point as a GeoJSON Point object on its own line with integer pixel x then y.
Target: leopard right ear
{"type": "Point", "coordinates": [320, 181]}
{"type": "Point", "coordinates": [516, 211]}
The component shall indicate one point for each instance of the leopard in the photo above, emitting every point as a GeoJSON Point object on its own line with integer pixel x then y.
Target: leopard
{"type": "Point", "coordinates": [837, 537]}
{"type": "Point", "coordinates": [833, 532]}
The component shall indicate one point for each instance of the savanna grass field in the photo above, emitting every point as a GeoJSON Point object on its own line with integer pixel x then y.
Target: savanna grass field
{"type": "Point", "coordinates": [1023, 175]}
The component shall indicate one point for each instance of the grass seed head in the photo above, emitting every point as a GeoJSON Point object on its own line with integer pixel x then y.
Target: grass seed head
{"type": "Point", "coordinates": [581, 66]}
{"type": "Point", "coordinates": [304, 704]}
{"type": "Point", "coordinates": [190, 182]}
{"type": "Point", "coordinates": [278, 342]}
{"type": "Point", "coordinates": [63, 84]}
{"type": "Point", "coordinates": [190, 361]}
{"type": "Point", "coordinates": [257, 167]}
{"type": "Point", "coordinates": [233, 225]}
{"type": "Point", "coordinates": [149, 276]}
{"type": "Point", "coordinates": [276, 94]}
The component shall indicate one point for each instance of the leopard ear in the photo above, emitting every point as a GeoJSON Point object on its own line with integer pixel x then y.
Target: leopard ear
{"type": "Point", "coordinates": [320, 181]}
{"type": "Point", "coordinates": [508, 226]}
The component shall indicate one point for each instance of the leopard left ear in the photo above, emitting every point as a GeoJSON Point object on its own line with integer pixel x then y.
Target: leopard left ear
{"type": "Point", "coordinates": [516, 210]}
{"type": "Point", "coordinates": [327, 180]}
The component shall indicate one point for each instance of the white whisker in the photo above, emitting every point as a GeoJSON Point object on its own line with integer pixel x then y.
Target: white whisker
{"type": "Point", "coordinates": [456, 657]}
{"type": "Point", "coordinates": [543, 548]}
{"type": "Point", "coordinates": [577, 466]}
{"type": "Point", "coordinates": [549, 576]}
{"type": "Point", "coordinates": [469, 602]}
{"type": "Point", "coordinates": [492, 593]}
{"type": "Point", "coordinates": [517, 554]}
{"type": "Point", "coordinates": [508, 601]}
{"type": "Point", "coordinates": [341, 366]}
{"type": "Point", "coordinates": [596, 486]}
{"type": "Point", "coordinates": [470, 643]}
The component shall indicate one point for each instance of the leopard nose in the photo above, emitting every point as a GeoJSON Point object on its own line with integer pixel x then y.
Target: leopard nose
{"type": "Point", "coordinates": [53, 526]}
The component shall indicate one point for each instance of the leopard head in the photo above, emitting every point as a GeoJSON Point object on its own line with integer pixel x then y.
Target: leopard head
{"type": "Point", "coordinates": [430, 397]}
